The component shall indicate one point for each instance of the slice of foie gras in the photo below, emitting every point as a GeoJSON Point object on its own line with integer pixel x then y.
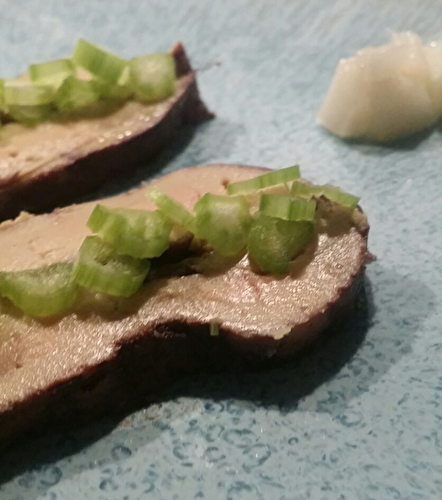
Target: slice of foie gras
{"type": "Point", "coordinates": [162, 331]}
{"type": "Point", "coordinates": [55, 162]}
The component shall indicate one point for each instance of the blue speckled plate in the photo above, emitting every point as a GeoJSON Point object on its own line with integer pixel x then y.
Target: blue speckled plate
{"type": "Point", "coordinates": [361, 417]}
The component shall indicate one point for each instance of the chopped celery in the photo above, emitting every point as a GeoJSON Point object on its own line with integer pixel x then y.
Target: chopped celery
{"type": "Point", "coordinates": [40, 292]}
{"type": "Point", "coordinates": [274, 242]}
{"type": "Point", "coordinates": [100, 268]}
{"type": "Point", "coordinates": [75, 94]}
{"type": "Point", "coordinates": [139, 233]}
{"type": "Point", "coordinates": [26, 102]}
{"type": "Point", "coordinates": [284, 207]}
{"type": "Point", "coordinates": [101, 63]}
{"type": "Point", "coordinates": [51, 73]}
{"type": "Point", "coordinates": [152, 77]}
{"type": "Point", "coordinates": [30, 115]}
{"type": "Point", "coordinates": [265, 180]}
{"type": "Point", "coordinates": [336, 194]}
{"type": "Point", "coordinates": [172, 209]}
{"type": "Point", "coordinates": [333, 193]}
{"type": "Point", "coordinates": [224, 221]}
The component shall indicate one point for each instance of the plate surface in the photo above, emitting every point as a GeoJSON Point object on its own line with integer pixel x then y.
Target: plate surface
{"type": "Point", "coordinates": [361, 417]}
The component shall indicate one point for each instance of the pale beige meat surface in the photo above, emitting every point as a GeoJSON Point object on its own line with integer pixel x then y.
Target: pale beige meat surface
{"type": "Point", "coordinates": [36, 355]}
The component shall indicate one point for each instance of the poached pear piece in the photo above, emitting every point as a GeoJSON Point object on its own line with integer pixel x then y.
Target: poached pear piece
{"type": "Point", "coordinates": [204, 313]}
{"type": "Point", "coordinates": [53, 163]}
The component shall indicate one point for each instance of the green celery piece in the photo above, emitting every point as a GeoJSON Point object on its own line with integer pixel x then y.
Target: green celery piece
{"type": "Point", "coordinates": [75, 94]}
{"type": "Point", "coordinates": [286, 208]}
{"type": "Point", "coordinates": [139, 233]}
{"type": "Point", "coordinates": [152, 77]}
{"type": "Point", "coordinates": [99, 62]}
{"type": "Point", "coordinates": [51, 73]}
{"type": "Point", "coordinates": [333, 193]}
{"type": "Point", "coordinates": [172, 208]}
{"type": "Point", "coordinates": [100, 268]}
{"type": "Point", "coordinates": [263, 181]}
{"type": "Point", "coordinates": [274, 242]}
{"type": "Point", "coordinates": [224, 221]}
{"type": "Point", "coordinates": [40, 292]}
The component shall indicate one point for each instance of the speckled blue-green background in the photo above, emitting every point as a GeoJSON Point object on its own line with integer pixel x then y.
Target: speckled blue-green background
{"type": "Point", "coordinates": [362, 417]}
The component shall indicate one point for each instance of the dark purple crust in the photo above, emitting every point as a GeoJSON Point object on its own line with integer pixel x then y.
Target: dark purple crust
{"type": "Point", "coordinates": [83, 175]}
{"type": "Point", "coordinates": [169, 353]}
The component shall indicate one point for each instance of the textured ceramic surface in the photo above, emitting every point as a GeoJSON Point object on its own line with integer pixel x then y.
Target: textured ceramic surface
{"type": "Point", "coordinates": [359, 419]}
